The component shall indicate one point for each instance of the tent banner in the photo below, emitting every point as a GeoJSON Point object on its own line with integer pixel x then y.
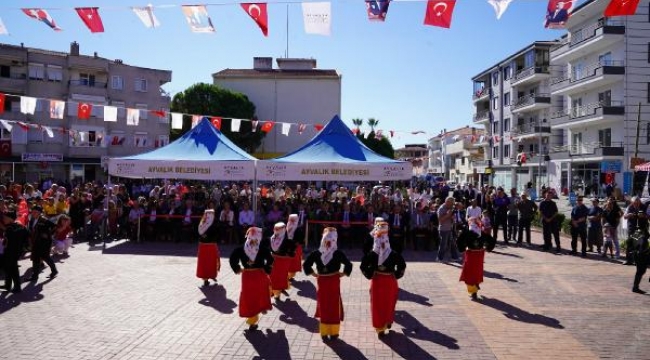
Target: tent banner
{"type": "Point", "coordinates": [279, 171]}
{"type": "Point", "coordinates": [182, 169]}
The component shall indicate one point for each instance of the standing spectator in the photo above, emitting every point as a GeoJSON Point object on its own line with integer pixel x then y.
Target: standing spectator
{"type": "Point", "coordinates": [527, 209]}
{"type": "Point", "coordinates": [445, 227]}
{"type": "Point", "coordinates": [579, 215]}
{"type": "Point", "coordinates": [15, 240]}
{"type": "Point", "coordinates": [246, 220]}
{"type": "Point", "coordinates": [635, 217]}
{"type": "Point", "coordinates": [611, 218]}
{"type": "Point", "coordinates": [595, 230]}
{"type": "Point", "coordinates": [513, 214]}
{"type": "Point", "coordinates": [41, 235]}
{"type": "Point", "coordinates": [398, 221]}
{"type": "Point", "coordinates": [500, 206]}
{"type": "Point", "coordinates": [550, 223]}
{"type": "Point", "coordinates": [420, 223]}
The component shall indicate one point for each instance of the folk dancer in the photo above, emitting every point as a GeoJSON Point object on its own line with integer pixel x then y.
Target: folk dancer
{"type": "Point", "coordinates": [254, 264]}
{"type": "Point", "coordinates": [476, 241]}
{"type": "Point", "coordinates": [283, 251]}
{"type": "Point", "coordinates": [296, 261]}
{"type": "Point", "coordinates": [383, 267]}
{"type": "Point", "coordinates": [208, 260]}
{"type": "Point", "coordinates": [328, 260]}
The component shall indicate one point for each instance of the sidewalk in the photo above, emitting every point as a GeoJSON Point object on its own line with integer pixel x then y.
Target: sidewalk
{"type": "Point", "coordinates": [142, 301]}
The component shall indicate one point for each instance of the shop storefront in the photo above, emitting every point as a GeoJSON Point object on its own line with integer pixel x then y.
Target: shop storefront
{"type": "Point", "coordinates": [35, 167]}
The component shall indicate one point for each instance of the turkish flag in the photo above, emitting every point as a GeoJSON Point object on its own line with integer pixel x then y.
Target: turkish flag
{"type": "Point", "coordinates": [84, 110]}
{"type": "Point", "coordinates": [2, 103]}
{"type": "Point", "coordinates": [216, 121]}
{"type": "Point", "coordinates": [621, 7]}
{"type": "Point", "coordinates": [439, 13]}
{"type": "Point", "coordinates": [159, 113]}
{"type": "Point", "coordinates": [90, 17]}
{"type": "Point", "coordinates": [318, 127]}
{"type": "Point", "coordinates": [257, 12]}
{"type": "Point", "coordinates": [5, 148]}
{"type": "Point", "coordinates": [267, 126]}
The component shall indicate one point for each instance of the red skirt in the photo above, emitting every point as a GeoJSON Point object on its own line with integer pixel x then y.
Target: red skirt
{"type": "Point", "coordinates": [296, 261]}
{"type": "Point", "coordinates": [254, 296]}
{"type": "Point", "coordinates": [209, 262]}
{"type": "Point", "coordinates": [280, 272]}
{"type": "Point", "coordinates": [383, 298]}
{"type": "Point", "coordinates": [329, 306]}
{"type": "Point", "coordinates": [472, 273]}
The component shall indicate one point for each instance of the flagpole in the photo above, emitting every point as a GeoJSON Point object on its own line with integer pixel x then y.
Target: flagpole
{"type": "Point", "coordinates": [286, 55]}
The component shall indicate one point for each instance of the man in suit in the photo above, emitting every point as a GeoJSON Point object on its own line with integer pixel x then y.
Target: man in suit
{"type": "Point", "coordinates": [420, 222]}
{"type": "Point", "coordinates": [344, 229]}
{"type": "Point", "coordinates": [41, 230]}
{"type": "Point", "coordinates": [398, 221]}
{"type": "Point", "coordinates": [470, 194]}
{"type": "Point", "coordinates": [558, 16]}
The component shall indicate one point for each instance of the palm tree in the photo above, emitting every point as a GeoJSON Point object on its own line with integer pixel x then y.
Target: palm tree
{"type": "Point", "coordinates": [357, 122]}
{"type": "Point", "coordinates": [372, 123]}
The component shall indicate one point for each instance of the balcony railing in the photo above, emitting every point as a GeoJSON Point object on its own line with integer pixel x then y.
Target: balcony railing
{"type": "Point", "coordinates": [89, 83]}
{"type": "Point", "coordinates": [594, 149]}
{"type": "Point", "coordinates": [524, 73]}
{"type": "Point", "coordinates": [482, 116]}
{"type": "Point", "coordinates": [603, 67]}
{"type": "Point", "coordinates": [532, 99]}
{"type": "Point", "coordinates": [14, 75]}
{"type": "Point", "coordinates": [481, 93]}
{"type": "Point", "coordinates": [591, 31]}
{"type": "Point", "coordinates": [590, 109]}
{"type": "Point", "coordinates": [530, 128]}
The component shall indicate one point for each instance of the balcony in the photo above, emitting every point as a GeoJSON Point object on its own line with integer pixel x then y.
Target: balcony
{"type": "Point", "coordinates": [590, 150]}
{"type": "Point", "coordinates": [434, 170]}
{"type": "Point", "coordinates": [530, 75]}
{"type": "Point", "coordinates": [458, 147]}
{"type": "Point", "coordinates": [482, 117]}
{"type": "Point", "coordinates": [88, 87]}
{"type": "Point", "coordinates": [601, 112]}
{"type": "Point", "coordinates": [590, 77]}
{"type": "Point", "coordinates": [481, 95]}
{"type": "Point", "coordinates": [531, 102]}
{"type": "Point", "coordinates": [15, 83]}
{"type": "Point", "coordinates": [591, 39]}
{"type": "Point", "coordinates": [530, 129]}
{"type": "Point", "coordinates": [88, 63]}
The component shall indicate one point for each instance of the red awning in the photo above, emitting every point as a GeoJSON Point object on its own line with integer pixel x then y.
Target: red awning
{"type": "Point", "coordinates": [642, 167]}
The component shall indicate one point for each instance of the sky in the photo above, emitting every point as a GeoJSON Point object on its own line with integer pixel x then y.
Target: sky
{"type": "Point", "coordinates": [409, 76]}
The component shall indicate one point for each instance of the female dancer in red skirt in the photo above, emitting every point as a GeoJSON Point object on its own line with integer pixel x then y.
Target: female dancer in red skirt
{"type": "Point", "coordinates": [254, 264]}
{"type": "Point", "coordinates": [209, 262]}
{"type": "Point", "coordinates": [383, 267]}
{"type": "Point", "coordinates": [296, 261]}
{"type": "Point", "coordinates": [283, 252]}
{"type": "Point", "coordinates": [328, 260]}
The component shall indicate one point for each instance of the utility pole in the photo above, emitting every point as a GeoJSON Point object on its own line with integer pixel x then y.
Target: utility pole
{"type": "Point", "coordinates": [638, 130]}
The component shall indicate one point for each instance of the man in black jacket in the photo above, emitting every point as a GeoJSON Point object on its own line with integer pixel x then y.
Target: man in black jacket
{"type": "Point", "coordinates": [41, 230]}
{"type": "Point", "coordinates": [16, 237]}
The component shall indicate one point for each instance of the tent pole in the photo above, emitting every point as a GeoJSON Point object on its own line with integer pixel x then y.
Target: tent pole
{"type": "Point", "coordinates": [254, 191]}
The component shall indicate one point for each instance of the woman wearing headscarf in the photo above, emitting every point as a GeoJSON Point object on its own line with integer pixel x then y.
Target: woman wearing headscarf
{"type": "Point", "coordinates": [383, 267]}
{"type": "Point", "coordinates": [254, 264]}
{"type": "Point", "coordinates": [296, 261]}
{"type": "Point", "coordinates": [328, 260]}
{"type": "Point", "coordinates": [208, 261]}
{"type": "Point", "coordinates": [283, 251]}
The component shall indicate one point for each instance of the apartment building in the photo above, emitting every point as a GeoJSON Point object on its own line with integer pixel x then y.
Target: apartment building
{"type": "Point", "coordinates": [512, 101]}
{"type": "Point", "coordinates": [600, 78]}
{"type": "Point", "coordinates": [77, 148]}
{"type": "Point", "coordinates": [294, 92]}
{"type": "Point", "coordinates": [417, 154]}
{"type": "Point", "coordinates": [454, 155]}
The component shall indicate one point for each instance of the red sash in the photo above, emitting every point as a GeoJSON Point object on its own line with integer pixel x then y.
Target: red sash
{"type": "Point", "coordinates": [254, 297]}
{"type": "Point", "coordinates": [329, 306]}
{"type": "Point", "coordinates": [296, 261]}
{"type": "Point", "coordinates": [472, 273]}
{"type": "Point", "coordinates": [209, 262]}
{"type": "Point", "coordinates": [383, 298]}
{"type": "Point", "coordinates": [280, 272]}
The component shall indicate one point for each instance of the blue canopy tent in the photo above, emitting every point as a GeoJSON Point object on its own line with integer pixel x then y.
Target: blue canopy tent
{"type": "Point", "coordinates": [334, 154]}
{"type": "Point", "coordinates": [203, 153]}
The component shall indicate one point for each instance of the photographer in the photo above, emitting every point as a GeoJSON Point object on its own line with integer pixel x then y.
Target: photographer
{"type": "Point", "coordinates": [635, 219]}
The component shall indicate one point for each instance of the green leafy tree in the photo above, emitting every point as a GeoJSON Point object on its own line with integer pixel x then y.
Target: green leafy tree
{"type": "Point", "coordinates": [211, 100]}
{"type": "Point", "coordinates": [381, 146]}
{"type": "Point", "coordinates": [358, 122]}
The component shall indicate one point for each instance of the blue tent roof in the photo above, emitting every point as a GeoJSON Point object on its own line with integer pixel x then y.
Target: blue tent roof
{"type": "Point", "coordinates": [334, 143]}
{"type": "Point", "coordinates": [203, 143]}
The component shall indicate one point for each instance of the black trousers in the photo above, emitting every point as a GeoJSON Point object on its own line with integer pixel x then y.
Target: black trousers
{"type": "Point", "coordinates": [500, 221]}
{"type": "Point", "coordinates": [36, 265]}
{"type": "Point", "coordinates": [582, 233]}
{"type": "Point", "coordinates": [12, 275]}
{"type": "Point", "coordinates": [548, 229]}
{"type": "Point", "coordinates": [524, 225]}
{"type": "Point", "coordinates": [512, 228]}
{"type": "Point", "coordinates": [641, 266]}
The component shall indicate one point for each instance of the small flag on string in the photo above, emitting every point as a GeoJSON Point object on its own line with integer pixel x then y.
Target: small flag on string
{"type": "Point", "coordinates": [317, 17]}
{"type": "Point", "coordinates": [90, 17]}
{"type": "Point", "coordinates": [43, 16]}
{"type": "Point", "coordinates": [159, 113]}
{"type": "Point", "coordinates": [267, 126]}
{"type": "Point", "coordinates": [285, 129]}
{"type": "Point", "coordinates": [257, 12]}
{"type": "Point", "coordinates": [3, 28]}
{"type": "Point", "coordinates": [439, 13]}
{"type": "Point", "coordinates": [499, 6]}
{"type": "Point", "coordinates": [198, 19]}
{"type": "Point", "coordinates": [6, 124]}
{"type": "Point", "coordinates": [417, 132]}
{"type": "Point", "coordinates": [23, 125]}
{"type": "Point", "coordinates": [216, 121]}
{"type": "Point", "coordinates": [177, 121]}
{"type": "Point", "coordinates": [301, 128]}
{"type": "Point", "coordinates": [56, 109]}
{"type": "Point", "coordinates": [621, 8]}
{"type": "Point", "coordinates": [48, 131]}
{"type": "Point", "coordinates": [27, 105]}
{"type": "Point", "coordinates": [110, 114]}
{"type": "Point", "coordinates": [235, 124]}
{"type": "Point", "coordinates": [146, 15]}
{"type": "Point", "coordinates": [254, 125]}
{"type": "Point", "coordinates": [377, 9]}
{"type": "Point", "coordinates": [318, 127]}
{"type": "Point", "coordinates": [195, 120]}
{"type": "Point", "coordinates": [132, 117]}
{"type": "Point", "coordinates": [2, 103]}
{"type": "Point", "coordinates": [84, 110]}
{"type": "Point", "coordinates": [557, 13]}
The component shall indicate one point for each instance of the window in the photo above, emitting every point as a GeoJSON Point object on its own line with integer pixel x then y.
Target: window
{"type": "Point", "coordinates": [141, 140]}
{"type": "Point", "coordinates": [649, 52]}
{"type": "Point", "coordinates": [495, 103]}
{"type": "Point", "coordinates": [605, 137]}
{"type": "Point", "coordinates": [647, 135]}
{"type": "Point", "coordinates": [40, 103]}
{"type": "Point", "coordinates": [54, 73]}
{"type": "Point", "coordinates": [86, 79]}
{"type": "Point", "coordinates": [506, 125]}
{"type": "Point", "coordinates": [117, 138]}
{"type": "Point", "coordinates": [8, 104]}
{"type": "Point", "coordinates": [495, 128]}
{"type": "Point", "coordinates": [529, 59]}
{"type": "Point", "coordinates": [36, 71]}
{"type": "Point", "coordinates": [506, 99]}
{"type": "Point", "coordinates": [121, 109]}
{"type": "Point", "coordinates": [506, 151]}
{"type": "Point", "coordinates": [35, 136]}
{"type": "Point", "coordinates": [144, 113]}
{"type": "Point", "coordinates": [532, 148]}
{"type": "Point", "coordinates": [605, 59]}
{"type": "Point", "coordinates": [495, 78]}
{"type": "Point", "coordinates": [87, 136]}
{"type": "Point", "coordinates": [5, 70]}
{"type": "Point", "coordinates": [163, 140]}
{"type": "Point", "coordinates": [495, 152]}
{"type": "Point", "coordinates": [506, 73]}
{"type": "Point", "coordinates": [141, 85]}
{"type": "Point", "coordinates": [117, 83]}
{"type": "Point", "coordinates": [6, 135]}
{"type": "Point", "coordinates": [648, 95]}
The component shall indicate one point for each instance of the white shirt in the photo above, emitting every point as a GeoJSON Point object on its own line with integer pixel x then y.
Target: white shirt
{"type": "Point", "coordinates": [474, 212]}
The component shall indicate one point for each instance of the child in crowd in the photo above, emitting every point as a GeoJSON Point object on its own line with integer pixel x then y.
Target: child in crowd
{"type": "Point", "coordinates": [486, 224]}
{"type": "Point", "coordinates": [62, 238]}
{"type": "Point", "coordinates": [608, 237]}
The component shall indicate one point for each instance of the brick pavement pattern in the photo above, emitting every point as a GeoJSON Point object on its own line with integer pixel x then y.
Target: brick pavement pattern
{"type": "Point", "coordinates": [142, 301]}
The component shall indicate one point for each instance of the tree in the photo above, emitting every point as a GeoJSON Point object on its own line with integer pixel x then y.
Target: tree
{"type": "Point", "coordinates": [357, 122]}
{"type": "Point", "coordinates": [380, 146]}
{"type": "Point", "coordinates": [372, 123]}
{"type": "Point", "coordinates": [211, 100]}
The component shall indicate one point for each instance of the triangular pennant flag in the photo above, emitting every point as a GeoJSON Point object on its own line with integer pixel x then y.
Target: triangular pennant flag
{"type": "Point", "coordinates": [132, 117]}
{"type": "Point", "coordinates": [377, 9]}
{"type": "Point", "coordinates": [267, 126]}
{"type": "Point", "coordinates": [621, 8]}
{"type": "Point", "coordinates": [43, 16]}
{"type": "Point", "coordinates": [159, 113]}
{"type": "Point", "coordinates": [198, 19]}
{"type": "Point", "coordinates": [439, 13]}
{"type": "Point", "coordinates": [177, 121]}
{"type": "Point", "coordinates": [48, 131]}
{"type": "Point", "coordinates": [27, 105]}
{"type": "Point", "coordinates": [257, 12]}
{"type": "Point", "coordinates": [417, 132]}
{"type": "Point", "coordinates": [146, 15]}
{"type": "Point", "coordinates": [195, 120]}
{"type": "Point", "coordinates": [90, 17]}
{"type": "Point", "coordinates": [392, 133]}
{"type": "Point", "coordinates": [499, 6]}
{"type": "Point", "coordinates": [317, 17]}
{"type": "Point", "coordinates": [216, 121]}
{"type": "Point", "coordinates": [84, 110]}
{"type": "Point", "coordinates": [318, 127]}
{"type": "Point", "coordinates": [301, 128]}
{"type": "Point", "coordinates": [110, 114]}
{"type": "Point", "coordinates": [6, 124]}
{"type": "Point", "coordinates": [557, 13]}
{"type": "Point", "coordinates": [254, 125]}
{"type": "Point", "coordinates": [235, 124]}
{"type": "Point", "coordinates": [285, 129]}
{"type": "Point", "coordinates": [3, 28]}
{"type": "Point", "coordinates": [2, 103]}
{"type": "Point", "coordinates": [57, 109]}
{"type": "Point", "coordinates": [22, 125]}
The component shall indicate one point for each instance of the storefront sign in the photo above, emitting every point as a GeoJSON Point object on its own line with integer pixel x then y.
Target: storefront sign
{"type": "Point", "coordinates": [611, 166]}
{"type": "Point", "coordinates": [42, 157]}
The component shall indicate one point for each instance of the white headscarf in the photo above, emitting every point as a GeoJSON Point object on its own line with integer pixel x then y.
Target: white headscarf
{"type": "Point", "coordinates": [206, 221]}
{"type": "Point", "coordinates": [292, 225]}
{"type": "Point", "coordinates": [475, 225]}
{"type": "Point", "coordinates": [378, 220]}
{"type": "Point", "coordinates": [381, 245]}
{"type": "Point", "coordinates": [279, 231]}
{"type": "Point", "coordinates": [328, 244]}
{"type": "Point", "coordinates": [252, 245]}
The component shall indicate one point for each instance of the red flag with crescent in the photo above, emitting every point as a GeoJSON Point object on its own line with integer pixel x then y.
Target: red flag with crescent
{"type": "Point", "coordinates": [439, 13]}
{"type": "Point", "coordinates": [267, 126]}
{"type": "Point", "coordinates": [621, 8]}
{"type": "Point", "coordinates": [257, 12]}
{"type": "Point", "coordinates": [159, 113]}
{"type": "Point", "coordinates": [90, 17]}
{"type": "Point", "coordinates": [216, 121]}
{"type": "Point", "coordinates": [318, 127]}
{"type": "Point", "coordinates": [2, 103]}
{"type": "Point", "coordinates": [84, 110]}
